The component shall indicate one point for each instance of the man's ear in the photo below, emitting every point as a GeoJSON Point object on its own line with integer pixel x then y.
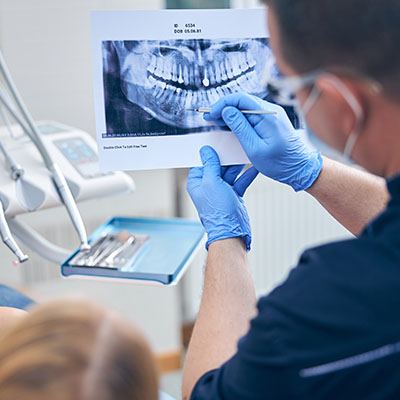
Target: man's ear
{"type": "Point", "coordinates": [343, 100]}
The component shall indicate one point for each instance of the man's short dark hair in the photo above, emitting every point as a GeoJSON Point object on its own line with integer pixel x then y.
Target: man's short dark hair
{"type": "Point", "coordinates": [361, 35]}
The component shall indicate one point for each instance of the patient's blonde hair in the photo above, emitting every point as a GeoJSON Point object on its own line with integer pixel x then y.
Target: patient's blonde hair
{"type": "Point", "coordinates": [75, 350]}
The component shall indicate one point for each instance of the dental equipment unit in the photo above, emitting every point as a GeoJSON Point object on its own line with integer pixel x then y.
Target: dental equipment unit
{"type": "Point", "coordinates": [48, 164]}
{"type": "Point", "coordinates": [27, 187]}
{"type": "Point", "coordinates": [29, 127]}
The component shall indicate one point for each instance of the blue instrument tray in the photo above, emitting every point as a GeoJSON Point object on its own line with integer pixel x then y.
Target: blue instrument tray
{"type": "Point", "coordinates": [171, 244]}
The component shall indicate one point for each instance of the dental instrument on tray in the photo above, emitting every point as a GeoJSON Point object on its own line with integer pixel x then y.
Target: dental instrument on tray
{"type": "Point", "coordinates": [111, 250]}
{"type": "Point", "coordinates": [138, 250]}
{"type": "Point", "coordinates": [30, 128]}
{"type": "Point", "coordinates": [207, 110]}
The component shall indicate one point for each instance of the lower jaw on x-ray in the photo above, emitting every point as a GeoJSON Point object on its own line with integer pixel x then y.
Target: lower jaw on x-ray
{"type": "Point", "coordinates": [149, 85]}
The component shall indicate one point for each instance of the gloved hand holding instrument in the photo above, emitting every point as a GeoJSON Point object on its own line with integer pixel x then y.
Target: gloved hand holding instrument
{"type": "Point", "coordinates": [272, 145]}
{"type": "Point", "coordinates": [269, 140]}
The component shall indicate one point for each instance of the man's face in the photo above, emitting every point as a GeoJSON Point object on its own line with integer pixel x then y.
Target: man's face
{"type": "Point", "coordinates": [166, 77]}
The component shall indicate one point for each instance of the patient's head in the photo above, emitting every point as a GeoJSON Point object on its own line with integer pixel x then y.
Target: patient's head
{"type": "Point", "coordinates": [75, 350]}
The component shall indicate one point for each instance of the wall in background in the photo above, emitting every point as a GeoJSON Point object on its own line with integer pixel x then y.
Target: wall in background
{"type": "Point", "coordinates": [47, 46]}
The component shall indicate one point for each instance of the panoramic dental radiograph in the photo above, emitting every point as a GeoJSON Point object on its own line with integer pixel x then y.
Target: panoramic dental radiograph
{"type": "Point", "coordinates": [149, 84]}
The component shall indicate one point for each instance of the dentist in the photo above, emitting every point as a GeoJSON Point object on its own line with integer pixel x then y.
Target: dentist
{"type": "Point", "coordinates": [332, 329]}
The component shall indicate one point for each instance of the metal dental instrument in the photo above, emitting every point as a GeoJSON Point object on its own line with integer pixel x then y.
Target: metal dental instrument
{"type": "Point", "coordinates": [127, 242]}
{"type": "Point", "coordinates": [58, 178]}
{"type": "Point", "coordinates": [98, 247]}
{"type": "Point", "coordinates": [126, 255]}
{"type": "Point", "coordinates": [117, 243]}
{"type": "Point", "coordinates": [7, 237]}
{"type": "Point", "coordinates": [87, 257]}
{"type": "Point", "coordinates": [108, 251]}
{"type": "Point", "coordinates": [207, 110]}
{"type": "Point", "coordinates": [105, 249]}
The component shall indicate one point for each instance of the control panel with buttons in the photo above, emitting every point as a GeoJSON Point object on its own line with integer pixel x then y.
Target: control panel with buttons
{"type": "Point", "coordinates": [81, 156]}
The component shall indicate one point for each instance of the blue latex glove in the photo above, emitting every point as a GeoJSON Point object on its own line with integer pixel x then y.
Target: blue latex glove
{"type": "Point", "coordinates": [270, 141]}
{"type": "Point", "coordinates": [217, 195]}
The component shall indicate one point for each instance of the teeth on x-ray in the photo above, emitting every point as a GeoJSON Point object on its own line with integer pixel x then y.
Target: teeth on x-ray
{"type": "Point", "coordinates": [166, 77]}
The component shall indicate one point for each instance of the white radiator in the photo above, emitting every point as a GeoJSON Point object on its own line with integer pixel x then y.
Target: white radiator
{"type": "Point", "coordinates": [284, 223]}
{"type": "Point", "coordinates": [62, 233]}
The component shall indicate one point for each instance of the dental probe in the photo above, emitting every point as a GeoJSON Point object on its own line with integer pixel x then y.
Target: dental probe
{"type": "Point", "coordinates": [208, 110]}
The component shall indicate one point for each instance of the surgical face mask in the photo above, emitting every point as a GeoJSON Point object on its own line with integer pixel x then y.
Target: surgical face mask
{"type": "Point", "coordinates": [325, 149]}
{"type": "Point", "coordinates": [354, 105]}
{"type": "Point", "coordinates": [313, 139]}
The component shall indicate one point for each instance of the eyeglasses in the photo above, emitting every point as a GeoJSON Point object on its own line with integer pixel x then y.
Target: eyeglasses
{"type": "Point", "coordinates": [282, 89]}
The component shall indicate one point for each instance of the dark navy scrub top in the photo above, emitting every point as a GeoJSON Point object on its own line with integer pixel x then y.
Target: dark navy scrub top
{"type": "Point", "coordinates": [331, 331]}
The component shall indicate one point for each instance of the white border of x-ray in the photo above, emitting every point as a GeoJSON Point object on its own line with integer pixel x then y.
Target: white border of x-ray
{"type": "Point", "coordinates": [166, 151]}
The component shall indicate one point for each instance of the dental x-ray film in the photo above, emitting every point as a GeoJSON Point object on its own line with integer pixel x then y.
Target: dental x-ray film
{"type": "Point", "coordinates": [149, 84]}
{"type": "Point", "coordinates": [151, 67]}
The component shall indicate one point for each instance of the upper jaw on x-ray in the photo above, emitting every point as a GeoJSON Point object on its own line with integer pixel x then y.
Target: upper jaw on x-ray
{"type": "Point", "coordinates": [166, 77]}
